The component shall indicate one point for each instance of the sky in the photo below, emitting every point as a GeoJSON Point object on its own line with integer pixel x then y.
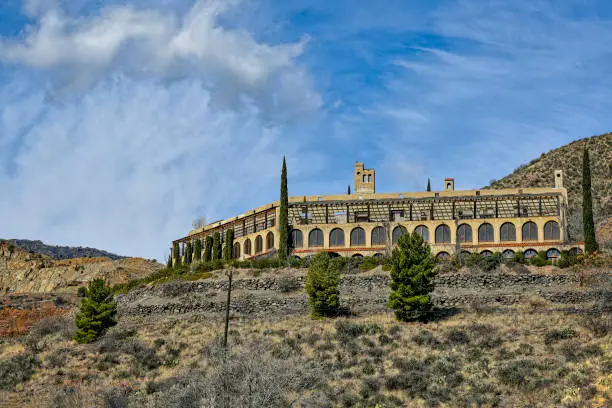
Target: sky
{"type": "Point", "coordinates": [123, 121]}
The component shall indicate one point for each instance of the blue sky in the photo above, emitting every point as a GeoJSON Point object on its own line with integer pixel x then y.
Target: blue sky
{"type": "Point", "coordinates": [121, 122]}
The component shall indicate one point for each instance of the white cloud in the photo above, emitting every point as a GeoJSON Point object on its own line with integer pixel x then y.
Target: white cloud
{"type": "Point", "coordinates": [162, 119]}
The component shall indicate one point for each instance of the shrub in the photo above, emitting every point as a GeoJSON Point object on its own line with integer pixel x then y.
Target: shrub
{"type": "Point", "coordinates": [81, 291]}
{"type": "Point", "coordinates": [16, 370]}
{"type": "Point", "coordinates": [555, 335]}
{"type": "Point", "coordinates": [97, 312]}
{"type": "Point", "coordinates": [456, 336]}
{"type": "Point", "coordinates": [412, 274]}
{"type": "Point", "coordinates": [540, 260]}
{"type": "Point", "coordinates": [216, 246]}
{"type": "Point", "coordinates": [425, 338]}
{"type": "Point", "coordinates": [188, 253]}
{"type": "Point", "coordinates": [59, 325]}
{"type": "Point", "coordinates": [322, 286]}
{"type": "Point", "coordinates": [288, 284]}
{"type": "Point", "coordinates": [567, 259]}
{"type": "Point", "coordinates": [346, 330]}
{"type": "Point", "coordinates": [600, 325]}
{"type": "Point", "coordinates": [519, 258]}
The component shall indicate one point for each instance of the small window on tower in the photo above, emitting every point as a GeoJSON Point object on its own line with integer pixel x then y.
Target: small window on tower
{"type": "Point", "coordinates": [364, 178]}
{"type": "Point", "coordinates": [369, 178]}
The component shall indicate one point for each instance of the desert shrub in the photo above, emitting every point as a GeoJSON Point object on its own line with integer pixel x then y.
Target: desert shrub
{"type": "Point", "coordinates": [425, 338]}
{"type": "Point", "coordinates": [17, 369]}
{"type": "Point", "coordinates": [484, 335]}
{"type": "Point", "coordinates": [567, 259]}
{"type": "Point", "coordinates": [456, 336]}
{"type": "Point", "coordinates": [113, 339]}
{"type": "Point", "coordinates": [540, 260]}
{"type": "Point", "coordinates": [322, 286]}
{"type": "Point", "coordinates": [518, 374]}
{"type": "Point", "coordinates": [288, 284]}
{"type": "Point", "coordinates": [97, 312]}
{"type": "Point", "coordinates": [371, 262]}
{"type": "Point", "coordinates": [555, 335]}
{"type": "Point", "coordinates": [600, 324]}
{"type": "Point", "coordinates": [346, 330]}
{"type": "Point", "coordinates": [519, 258]}
{"type": "Point", "coordinates": [412, 278]}
{"type": "Point", "coordinates": [35, 341]}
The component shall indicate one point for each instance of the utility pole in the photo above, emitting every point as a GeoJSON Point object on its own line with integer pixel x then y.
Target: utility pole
{"type": "Point", "coordinates": [227, 307]}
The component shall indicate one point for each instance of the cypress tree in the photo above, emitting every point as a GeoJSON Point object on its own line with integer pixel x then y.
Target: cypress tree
{"type": "Point", "coordinates": [590, 243]}
{"type": "Point", "coordinates": [97, 312]}
{"type": "Point", "coordinates": [188, 253]}
{"type": "Point", "coordinates": [412, 274]}
{"type": "Point", "coordinates": [283, 218]}
{"type": "Point", "coordinates": [348, 190]}
{"type": "Point", "coordinates": [208, 245]}
{"type": "Point", "coordinates": [197, 252]}
{"type": "Point", "coordinates": [228, 245]}
{"type": "Point", "coordinates": [216, 246]}
{"type": "Point", "coordinates": [176, 254]}
{"type": "Point", "coordinates": [428, 185]}
{"type": "Point", "coordinates": [169, 264]}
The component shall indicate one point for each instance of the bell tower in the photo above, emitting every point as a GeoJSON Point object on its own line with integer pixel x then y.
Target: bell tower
{"type": "Point", "coordinates": [365, 179]}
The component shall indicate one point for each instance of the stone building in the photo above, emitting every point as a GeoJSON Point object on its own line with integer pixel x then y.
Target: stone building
{"type": "Point", "coordinates": [369, 223]}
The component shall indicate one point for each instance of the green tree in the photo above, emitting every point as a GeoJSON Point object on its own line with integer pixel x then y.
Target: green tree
{"type": "Point", "coordinates": [590, 243]}
{"type": "Point", "coordinates": [216, 246]}
{"type": "Point", "coordinates": [169, 264]}
{"type": "Point", "coordinates": [188, 253]}
{"type": "Point", "coordinates": [283, 218]}
{"type": "Point", "coordinates": [412, 274]}
{"type": "Point", "coordinates": [208, 245]}
{"type": "Point", "coordinates": [428, 185]}
{"type": "Point", "coordinates": [322, 286]}
{"type": "Point", "coordinates": [348, 190]}
{"type": "Point", "coordinates": [228, 244]}
{"type": "Point", "coordinates": [197, 252]}
{"type": "Point", "coordinates": [97, 312]}
{"type": "Point", "coordinates": [176, 254]}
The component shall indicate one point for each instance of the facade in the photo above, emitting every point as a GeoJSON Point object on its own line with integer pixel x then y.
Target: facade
{"type": "Point", "coordinates": [367, 223]}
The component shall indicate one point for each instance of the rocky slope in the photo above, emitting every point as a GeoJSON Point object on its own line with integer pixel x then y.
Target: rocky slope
{"type": "Point", "coordinates": [62, 252]}
{"type": "Point", "coordinates": [538, 173]}
{"type": "Point", "coordinates": [23, 271]}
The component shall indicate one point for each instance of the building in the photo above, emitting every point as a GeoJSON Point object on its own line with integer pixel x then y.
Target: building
{"type": "Point", "coordinates": [367, 223]}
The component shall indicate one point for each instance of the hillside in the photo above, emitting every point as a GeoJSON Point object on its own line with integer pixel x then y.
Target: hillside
{"type": "Point", "coordinates": [62, 252]}
{"type": "Point", "coordinates": [538, 173]}
{"type": "Point", "coordinates": [25, 271]}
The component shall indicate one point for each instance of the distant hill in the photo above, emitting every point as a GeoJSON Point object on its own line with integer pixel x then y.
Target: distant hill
{"type": "Point", "coordinates": [539, 173]}
{"type": "Point", "coordinates": [62, 252]}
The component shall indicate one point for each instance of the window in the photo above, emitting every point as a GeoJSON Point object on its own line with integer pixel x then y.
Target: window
{"type": "Point", "coordinates": [486, 253]}
{"type": "Point", "coordinates": [357, 237]}
{"type": "Point", "coordinates": [270, 240]}
{"type": "Point", "coordinates": [507, 232]}
{"type": "Point", "coordinates": [247, 247]}
{"type": "Point", "coordinates": [364, 178]}
{"type": "Point", "coordinates": [443, 234]}
{"type": "Point", "coordinates": [398, 232]}
{"type": "Point", "coordinates": [236, 251]}
{"type": "Point", "coordinates": [297, 240]}
{"type": "Point", "coordinates": [369, 178]}
{"type": "Point", "coordinates": [508, 254]}
{"type": "Point", "coordinates": [485, 233]}
{"type": "Point", "coordinates": [530, 231]}
{"type": "Point", "coordinates": [551, 231]}
{"type": "Point", "coordinates": [553, 254]}
{"type": "Point", "coordinates": [530, 253]}
{"type": "Point", "coordinates": [423, 232]}
{"type": "Point", "coordinates": [443, 256]}
{"type": "Point", "coordinates": [258, 244]}
{"type": "Point", "coordinates": [378, 236]}
{"type": "Point", "coordinates": [336, 237]}
{"type": "Point", "coordinates": [464, 233]}
{"type": "Point", "coordinates": [315, 238]}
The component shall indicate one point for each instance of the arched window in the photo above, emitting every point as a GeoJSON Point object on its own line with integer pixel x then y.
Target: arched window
{"type": "Point", "coordinates": [423, 231]}
{"type": "Point", "coordinates": [297, 240]}
{"type": "Point", "coordinates": [507, 232]}
{"type": "Point", "coordinates": [464, 254]}
{"type": "Point", "coordinates": [464, 233]}
{"type": "Point", "coordinates": [508, 254]}
{"type": "Point", "coordinates": [336, 237]}
{"type": "Point", "coordinates": [486, 253]}
{"type": "Point", "coordinates": [247, 247]}
{"type": "Point", "coordinates": [398, 232]}
{"type": "Point", "coordinates": [443, 256]}
{"type": "Point", "coordinates": [357, 256]}
{"type": "Point", "coordinates": [258, 244]}
{"type": "Point", "coordinates": [530, 231]}
{"type": "Point", "coordinates": [551, 231]}
{"type": "Point", "coordinates": [443, 234]}
{"type": "Point", "coordinates": [485, 233]}
{"type": "Point", "coordinates": [315, 238]}
{"type": "Point", "coordinates": [553, 254]}
{"type": "Point", "coordinates": [378, 236]}
{"type": "Point", "coordinates": [530, 253]}
{"type": "Point", "coordinates": [357, 237]}
{"type": "Point", "coordinates": [236, 251]}
{"type": "Point", "coordinates": [270, 240]}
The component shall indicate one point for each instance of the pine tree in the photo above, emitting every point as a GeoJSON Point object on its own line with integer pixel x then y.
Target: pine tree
{"type": "Point", "coordinates": [208, 245]}
{"type": "Point", "coordinates": [428, 185]}
{"type": "Point", "coordinates": [176, 254]}
{"type": "Point", "coordinates": [283, 218]}
{"type": "Point", "coordinates": [322, 286]}
{"type": "Point", "coordinates": [197, 252]}
{"type": "Point", "coordinates": [590, 242]}
{"type": "Point", "coordinates": [412, 274]}
{"type": "Point", "coordinates": [228, 245]}
{"type": "Point", "coordinates": [216, 246]}
{"type": "Point", "coordinates": [97, 312]}
{"type": "Point", "coordinates": [188, 253]}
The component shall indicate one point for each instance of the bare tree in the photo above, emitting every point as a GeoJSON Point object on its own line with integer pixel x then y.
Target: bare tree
{"type": "Point", "coordinates": [199, 222]}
